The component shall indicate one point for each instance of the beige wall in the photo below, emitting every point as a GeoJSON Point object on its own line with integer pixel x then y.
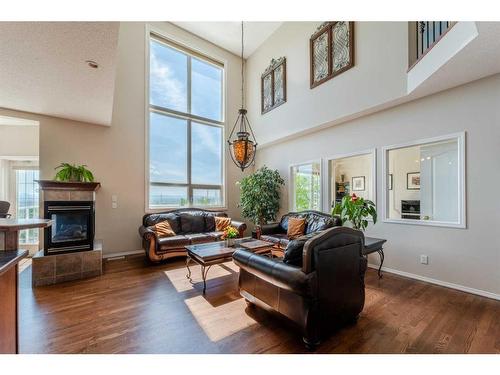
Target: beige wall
{"type": "Point", "coordinates": [466, 257]}
{"type": "Point", "coordinates": [116, 154]}
{"type": "Point", "coordinates": [18, 141]}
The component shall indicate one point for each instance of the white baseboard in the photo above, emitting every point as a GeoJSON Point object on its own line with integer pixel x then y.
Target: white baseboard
{"type": "Point", "coordinates": [122, 254]}
{"type": "Point", "coordinates": [439, 282]}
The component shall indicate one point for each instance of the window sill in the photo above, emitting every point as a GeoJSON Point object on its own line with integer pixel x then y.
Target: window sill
{"type": "Point", "coordinates": [426, 223]}
{"type": "Point", "coordinates": [167, 209]}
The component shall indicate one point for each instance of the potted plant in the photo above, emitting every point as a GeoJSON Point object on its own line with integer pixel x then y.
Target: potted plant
{"type": "Point", "coordinates": [260, 196]}
{"type": "Point", "coordinates": [73, 173]}
{"type": "Point", "coordinates": [355, 210]}
{"type": "Point", "coordinates": [230, 234]}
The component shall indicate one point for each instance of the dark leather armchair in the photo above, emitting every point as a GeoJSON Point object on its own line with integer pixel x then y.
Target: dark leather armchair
{"type": "Point", "coordinates": [315, 221]}
{"type": "Point", "coordinates": [326, 291]}
{"type": "Point", "coordinates": [191, 226]}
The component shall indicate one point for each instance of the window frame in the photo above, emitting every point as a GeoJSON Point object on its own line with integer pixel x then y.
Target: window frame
{"type": "Point", "coordinates": [462, 195]}
{"type": "Point", "coordinates": [192, 52]}
{"type": "Point", "coordinates": [327, 181]}
{"type": "Point", "coordinates": [291, 195]}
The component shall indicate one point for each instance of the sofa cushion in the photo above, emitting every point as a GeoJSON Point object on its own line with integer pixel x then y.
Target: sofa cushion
{"type": "Point", "coordinates": [317, 223]}
{"type": "Point", "coordinates": [173, 220]}
{"type": "Point", "coordinates": [293, 252]}
{"type": "Point", "coordinates": [216, 235]}
{"type": "Point", "coordinates": [195, 238]}
{"type": "Point", "coordinates": [221, 223]}
{"type": "Point", "coordinates": [174, 242]}
{"type": "Point", "coordinates": [296, 227]}
{"type": "Point", "coordinates": [163, 229]}
{"type": "Point", "coordinates": [192, 222]}
{"type": "Point", "coordinates": [274, 238]}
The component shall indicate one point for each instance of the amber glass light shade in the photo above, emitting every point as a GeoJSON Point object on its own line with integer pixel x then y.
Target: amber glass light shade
{"type": "Point", "coordinates": [243, 150]}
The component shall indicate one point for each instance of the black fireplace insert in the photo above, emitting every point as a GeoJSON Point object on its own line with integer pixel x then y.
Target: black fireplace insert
{"type": "Point", "coordinates": [72, 226]}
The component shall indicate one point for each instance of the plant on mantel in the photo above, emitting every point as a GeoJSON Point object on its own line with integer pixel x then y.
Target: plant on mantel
{"type": "Point", "coordinates": [73, 173]}
{"type": "Point", "coordinates": [260, 195]}
{"type": "Point", "coordinates": [355, 210]}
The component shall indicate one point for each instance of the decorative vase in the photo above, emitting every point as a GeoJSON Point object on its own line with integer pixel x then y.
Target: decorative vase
{"type": "Point", "coordinates": [230, 241]}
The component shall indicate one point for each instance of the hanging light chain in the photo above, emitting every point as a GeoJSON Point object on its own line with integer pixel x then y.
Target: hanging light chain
{"type": "Point", "coordinates": [242, 68]}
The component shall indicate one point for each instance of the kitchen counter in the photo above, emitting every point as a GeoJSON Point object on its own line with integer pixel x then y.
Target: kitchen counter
{"type": "Point", "coordinates": [9, 300]}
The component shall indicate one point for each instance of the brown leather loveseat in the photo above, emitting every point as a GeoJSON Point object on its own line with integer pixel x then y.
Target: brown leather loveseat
{"type": "Point", "coordinates": [326, 291]}
{"type": "Point", "coordinates": [191, 226]}
{"type": "Point", "coordinates": [315, 221]}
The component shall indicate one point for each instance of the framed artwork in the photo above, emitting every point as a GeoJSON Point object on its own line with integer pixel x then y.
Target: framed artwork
{"type": "Point", "coordinates": [273, 85]}
{"type": "Point", "coordinates": [358, 183]}
{"type": "Point", "coordinates": [390, 181]}
{"type": "Point", "coordinates": [413, 181]}
{"type": "Point", "coordinates": [331, 50]}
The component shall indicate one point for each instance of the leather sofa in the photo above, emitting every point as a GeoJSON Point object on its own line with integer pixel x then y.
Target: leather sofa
{"type": "Point", "coordinates": [326, 292]}
{"type": "Point", "coordinates": [191, 226]}
{"type": "Point", "coordinates": [315, 221]}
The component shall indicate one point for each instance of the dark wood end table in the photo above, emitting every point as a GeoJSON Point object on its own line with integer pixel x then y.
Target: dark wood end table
{"type": "Point", "coordinates": [373, 245]}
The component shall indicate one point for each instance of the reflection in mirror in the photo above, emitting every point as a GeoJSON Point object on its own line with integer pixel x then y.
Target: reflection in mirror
{"type": "Point", "coordinates": [424, 182]}
{"type": "Point", "coordinates": [306, 186]}
{"type": "Point", "coordinates": [351, 174]}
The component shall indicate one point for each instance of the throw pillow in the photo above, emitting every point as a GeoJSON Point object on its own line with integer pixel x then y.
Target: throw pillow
{"type": "Point", "coordinates": [296, 227]}
{"type": "Point", "coordinates": [221, 223]}
{"type": "Point", "coordinates": [163, 229]}
{"type": "Point", "coordinates": [293, 252]}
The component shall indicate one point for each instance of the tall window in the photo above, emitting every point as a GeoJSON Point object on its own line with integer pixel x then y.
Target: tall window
{"type": "Point", "coordinates": [306, 186]}
{"type": "Point", "coordinates": [27, 203]}
{"type": "Point", "coordinates": [186, 96]}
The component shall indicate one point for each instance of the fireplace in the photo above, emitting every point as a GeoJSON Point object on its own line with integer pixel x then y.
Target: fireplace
{"type": "Point", "coordinates": [72, 226]}
{"type": "Point", "coordinates": [71, 207]}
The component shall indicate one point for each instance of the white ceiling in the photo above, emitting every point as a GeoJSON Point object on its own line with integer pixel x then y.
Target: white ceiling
{"type": "Point", "coordinates": [228, 34]}
{"type": "Point", "coordinates": [43, 68]}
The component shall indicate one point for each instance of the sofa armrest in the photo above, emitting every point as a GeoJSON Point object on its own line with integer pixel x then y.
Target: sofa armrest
{"type": "Point", "coordinates": [275, 272]}
{"type": "Point", "coordinates": [272, 228]}
{"type": "Point", "coordinates": [146, 233]}
{"type": "Point", "coordinates": [239, 226]}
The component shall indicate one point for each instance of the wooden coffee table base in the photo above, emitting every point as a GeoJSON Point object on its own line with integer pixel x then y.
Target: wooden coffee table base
{"type": "Point", "coordinates": [211, 253]}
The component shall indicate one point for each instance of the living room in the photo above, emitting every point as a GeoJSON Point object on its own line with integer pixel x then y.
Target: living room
{"type": "Point", "coordinates": [288, 186]}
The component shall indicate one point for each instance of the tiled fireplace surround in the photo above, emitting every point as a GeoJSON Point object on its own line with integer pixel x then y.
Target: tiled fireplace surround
{"type": "Point", "coordinates": [57, 268]}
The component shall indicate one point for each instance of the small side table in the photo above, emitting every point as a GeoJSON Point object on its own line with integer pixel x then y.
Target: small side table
{"type": "Point", "coordinates": [373, 245]}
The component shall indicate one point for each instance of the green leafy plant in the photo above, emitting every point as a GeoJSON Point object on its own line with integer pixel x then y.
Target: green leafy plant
{"type": "Point", "coordinates": [230, 232]}
{"type": "Point", "coordinates": [73, 173]}
{"type": "Point", "coordinates": [355, 210]}
{"type": "Point", "coordinates": [260, 195]}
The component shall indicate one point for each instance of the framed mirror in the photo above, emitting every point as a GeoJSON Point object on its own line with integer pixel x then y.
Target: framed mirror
{"type": "Point", "coordinates": [424, 182]}
{"type": "Point", "coordinates": [351, 173]}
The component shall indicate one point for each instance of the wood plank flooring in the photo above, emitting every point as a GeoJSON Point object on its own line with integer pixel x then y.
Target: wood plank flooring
{"type": "Point", "coordinates": [140, 308]}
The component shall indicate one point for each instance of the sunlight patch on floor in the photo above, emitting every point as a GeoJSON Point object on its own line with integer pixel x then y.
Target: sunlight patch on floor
{"type": "Point", "coordinates": [182, 284]}
{"type": "Point", "coordinates": [221, 321]}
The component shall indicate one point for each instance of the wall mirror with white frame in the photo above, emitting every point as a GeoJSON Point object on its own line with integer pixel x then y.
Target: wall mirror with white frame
{"type": "Point", "coordinates": [351, 173]}
{"type": "Point", "coordinates": [305, 186]}
{"type": "Point", "coordinates": [425, 181]}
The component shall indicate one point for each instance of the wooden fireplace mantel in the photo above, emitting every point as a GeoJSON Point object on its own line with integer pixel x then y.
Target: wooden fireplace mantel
{"type": "Point", "coordinates": [76, 186]}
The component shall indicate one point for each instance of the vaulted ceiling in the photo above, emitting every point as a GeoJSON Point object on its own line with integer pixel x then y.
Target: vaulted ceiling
{"type": "Point", "coordinates": [44, 69]}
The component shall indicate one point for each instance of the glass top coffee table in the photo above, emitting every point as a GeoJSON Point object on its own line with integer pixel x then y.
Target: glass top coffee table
{"type": "Point", "coordinates": [208, 254]}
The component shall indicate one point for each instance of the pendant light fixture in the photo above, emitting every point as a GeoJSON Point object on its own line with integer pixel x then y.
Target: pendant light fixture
{"type": "Point", "coordinates": [243, 146]}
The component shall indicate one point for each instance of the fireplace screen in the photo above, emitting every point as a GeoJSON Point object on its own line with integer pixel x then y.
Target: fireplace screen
{"type": "Point", "coordinates": [68, 227]}
{"type": "Point", "coordinates": [72, 226]}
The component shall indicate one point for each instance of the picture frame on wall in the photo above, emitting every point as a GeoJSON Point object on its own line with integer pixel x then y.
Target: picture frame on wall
{"type": "Point", "coordinates": [413, 181]}
{"type": "Point", "coordinates": [273, 85]}
{"type": "Point", "coordinates": [390, 181]}
{"type": "Point", "coordinates": [358, 183]}
{"type": "Point", "coordinates": [331, 50]}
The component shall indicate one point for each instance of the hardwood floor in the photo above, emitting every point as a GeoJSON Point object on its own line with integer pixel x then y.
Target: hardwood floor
{"type": "Point", "coordinates": [141, 308]}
